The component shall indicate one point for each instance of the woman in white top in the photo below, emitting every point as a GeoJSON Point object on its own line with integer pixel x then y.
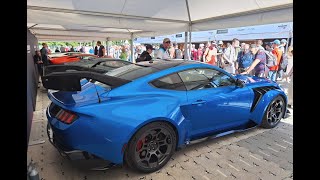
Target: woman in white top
{"type": "Point", "coordinates": [289, 76]}
{"type": "Point", "coordinates": [289, 71]}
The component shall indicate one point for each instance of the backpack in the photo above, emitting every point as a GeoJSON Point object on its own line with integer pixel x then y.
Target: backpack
{"type": "Point", "coordinates": [271, 59]}
{"type": "Point", "coordinates": [284, 62]}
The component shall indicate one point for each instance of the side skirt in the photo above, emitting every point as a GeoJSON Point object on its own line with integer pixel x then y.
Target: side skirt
{"type": "Point", "coordinates": [250, 125]}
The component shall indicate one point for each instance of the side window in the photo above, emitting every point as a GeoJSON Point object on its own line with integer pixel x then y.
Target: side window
{"type": "Point", "coordinates": [197, 78]}
{"type": "Point", "coordinates": [220, 79]}
{"type": "Point", "coordinates": [172, 82]}
{"type": "Point", "coordinates": [205, 78]}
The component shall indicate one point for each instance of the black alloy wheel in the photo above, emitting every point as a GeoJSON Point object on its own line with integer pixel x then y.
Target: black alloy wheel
{"type": "Point", "coordinates": [151, 147]}
{"type": "Point", "coordinates": [274, 113]}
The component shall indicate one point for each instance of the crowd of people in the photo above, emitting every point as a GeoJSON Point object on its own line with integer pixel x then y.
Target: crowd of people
{"type": "Point", "coordinates": [233, 57]}
{"type": "Point", "coordinates": [236, 58]}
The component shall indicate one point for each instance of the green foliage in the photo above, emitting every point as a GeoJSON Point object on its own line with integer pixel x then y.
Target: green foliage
{"type": "Point", "coordinates": [59, 43]}
{"type": "Point", "coordinates": [53, 44]}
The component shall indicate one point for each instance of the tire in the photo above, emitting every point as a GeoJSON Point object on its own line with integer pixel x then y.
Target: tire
{"type": "Point", "coordinates": [274, 112]}
{"type": "Point", "coordinates": [151, 147]}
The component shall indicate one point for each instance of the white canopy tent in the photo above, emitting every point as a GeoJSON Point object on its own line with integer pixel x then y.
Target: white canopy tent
{"type": "Point", "coordinates": [127, 19]}
{"type": "Point", "coordinates": [268, 31]}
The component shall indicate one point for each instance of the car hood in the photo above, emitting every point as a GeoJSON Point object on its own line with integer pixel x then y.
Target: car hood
{"type": "Point", "coordinates": [248, 79]}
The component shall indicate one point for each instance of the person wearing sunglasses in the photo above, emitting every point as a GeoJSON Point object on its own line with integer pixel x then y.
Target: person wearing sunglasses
{"type": "Point", "coordinates": [163, 52]}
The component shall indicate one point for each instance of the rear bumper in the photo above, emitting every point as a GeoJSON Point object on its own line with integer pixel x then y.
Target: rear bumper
{"type": "Point", "coordinates": [69, 154]}
{"type": "Point", "coordinates": [91, 161]}
{"type": "Point", "coordinates": [84, 139]}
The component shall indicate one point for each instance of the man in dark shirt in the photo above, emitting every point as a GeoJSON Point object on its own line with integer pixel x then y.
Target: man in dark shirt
{"type": "Point", "coordinates": [244, 60]}
{"type": "Point", "coordinates": [145, 56]}
{"type": "Point", "coordinates": [44, 54]}
{"type": "Point", "coordinates": [258, 63]}
{"type": "Point", "coordinates": [99, 50]}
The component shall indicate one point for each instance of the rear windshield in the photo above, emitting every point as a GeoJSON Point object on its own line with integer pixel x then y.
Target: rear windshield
{"type": "Point", "coordinates": [132, 71]}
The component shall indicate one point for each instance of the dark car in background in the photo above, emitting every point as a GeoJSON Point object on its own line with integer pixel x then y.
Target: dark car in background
{"type": "Point", "coordinates": [101, 65]}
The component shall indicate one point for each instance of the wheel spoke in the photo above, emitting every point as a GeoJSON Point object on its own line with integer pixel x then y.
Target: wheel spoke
{"type": "Point", "coordinates": [144, 159]}
{"type": "Point", "coordinates": [158, 154]}
{"type": "Point", "coordinates": [161, 155]}
{"type": "Point", "coordinates": [155, 135]}
{"type": "Point", "coordinates": [278, 110]}
{"type": "Point", "coordinates": [163, 142]}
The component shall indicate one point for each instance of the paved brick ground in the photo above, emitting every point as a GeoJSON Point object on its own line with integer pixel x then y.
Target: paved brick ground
{"type": "Point", "coordinates": [254, 154]}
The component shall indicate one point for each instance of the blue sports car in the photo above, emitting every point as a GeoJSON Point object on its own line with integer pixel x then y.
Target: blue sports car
{"type": "Point", "coordinates": [140, 114]}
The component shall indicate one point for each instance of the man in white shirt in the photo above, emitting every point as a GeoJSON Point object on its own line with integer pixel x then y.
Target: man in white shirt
{"type": "Point", "coordinates": [230, 57]}
{"type": "Point", "coordinates": [163, 52]}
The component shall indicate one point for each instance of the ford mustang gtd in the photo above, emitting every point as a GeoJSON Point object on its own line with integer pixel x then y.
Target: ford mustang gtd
{"type": "Point", "coordinates": [140, 114]}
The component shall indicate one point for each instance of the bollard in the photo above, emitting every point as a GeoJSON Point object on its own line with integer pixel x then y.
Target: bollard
{"type": "Point", "coordinates": [32, 172]}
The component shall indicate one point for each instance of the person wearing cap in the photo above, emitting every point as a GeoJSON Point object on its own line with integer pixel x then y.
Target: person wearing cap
{"type": "Point", "coordinates": [163, 52]}
{"type": "Point", "coordinates": [259, 62]}
{"type": "Point", "coordinates": [282, 46]}
{"type": "Point", "coordinates": [145, 56]}
{"type": "Point", "coordinates": [259, 43]}
{"type": "Point", "coordinates": [272, 74]}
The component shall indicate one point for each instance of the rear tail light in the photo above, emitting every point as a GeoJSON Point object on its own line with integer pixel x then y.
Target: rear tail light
{"type": "Point", "coordinates": [65, 116]}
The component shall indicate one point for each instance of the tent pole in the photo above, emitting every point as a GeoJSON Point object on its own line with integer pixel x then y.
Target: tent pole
{"type": "Point", "coordinates": [131, 47]}
{"type": "Point", "coordinates": [188, 51]}
{"type": "Point", "coordinates": [185, 45]}
{"type": "Point", "coordinates": [93, 45]}
{"type": "Point", "coordinates": [190, 28]}
{"type": "Point", "coordinates": [107, 46]}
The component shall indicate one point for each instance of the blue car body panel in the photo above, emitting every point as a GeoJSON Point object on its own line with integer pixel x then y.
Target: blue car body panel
{"type": "Point", "coordinates": [108, 119]}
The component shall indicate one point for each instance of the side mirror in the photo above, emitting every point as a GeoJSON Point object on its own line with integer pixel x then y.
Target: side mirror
{"type": "Point", "coordinates": [239, 83]}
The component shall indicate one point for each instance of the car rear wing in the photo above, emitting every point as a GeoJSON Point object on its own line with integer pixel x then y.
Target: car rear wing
{"type": "Point", "coordinates": [70, 81]}
{"type": "Point", "coordinates": [68, 68]}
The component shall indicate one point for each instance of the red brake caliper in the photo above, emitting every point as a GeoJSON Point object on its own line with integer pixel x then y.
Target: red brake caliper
{"type": "Point", "coordinates": [139, 145]}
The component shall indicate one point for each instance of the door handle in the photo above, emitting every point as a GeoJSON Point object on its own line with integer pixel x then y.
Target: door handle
{"type": "Point", "coordinates": [199, 102]}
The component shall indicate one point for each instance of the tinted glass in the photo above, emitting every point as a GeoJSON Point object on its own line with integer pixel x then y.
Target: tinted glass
{"type": "Point", "coordinates": [131, 72]}
{"type": "Point", "coordinates": [220, 79]}
{"type": "Point", "coordinates": [172, 82]}
{"type": "Point", "coordinates": [204, 78]}
{"type": "Point", "coordinates": [115, 64]}
{"type": "Point", "coordinates": [195, 79]}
